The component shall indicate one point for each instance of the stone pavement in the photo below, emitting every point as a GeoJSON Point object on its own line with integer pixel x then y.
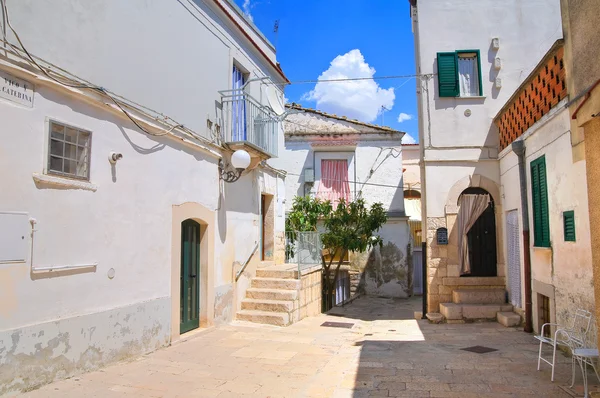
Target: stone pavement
{"type": "Point", "coordinates": [385, 353]}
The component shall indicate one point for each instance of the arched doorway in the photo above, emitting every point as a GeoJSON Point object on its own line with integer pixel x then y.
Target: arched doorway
{"type": "Point", "coordinates": [190, 276]}
{"type": "Point", "coordinates": [481, 239]}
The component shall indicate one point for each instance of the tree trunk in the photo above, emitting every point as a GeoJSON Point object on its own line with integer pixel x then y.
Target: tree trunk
{"type": "Point", "coordinates": [330, 290]}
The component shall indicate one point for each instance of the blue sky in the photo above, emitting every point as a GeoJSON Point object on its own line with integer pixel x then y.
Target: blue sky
{"type": "Point", "coordinates": [345, 38]}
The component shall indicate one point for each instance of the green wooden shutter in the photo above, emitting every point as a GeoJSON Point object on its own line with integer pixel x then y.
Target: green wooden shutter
{"type": "Point", "coordinates": [569, 225]}
{"type": "Point", "coordinates": [539, 195]}
{"type": "Point", "coordinates": [447, 66]}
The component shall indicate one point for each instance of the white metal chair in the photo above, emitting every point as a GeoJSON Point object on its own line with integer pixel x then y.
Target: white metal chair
{"type": "Point", "coordinates": [573, 336]}
{"type": "Point", "coordinates": [587, 355]}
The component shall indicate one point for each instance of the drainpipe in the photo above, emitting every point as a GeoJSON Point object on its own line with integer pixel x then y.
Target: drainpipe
{"type": "Point", "coordinates": [518, 148]}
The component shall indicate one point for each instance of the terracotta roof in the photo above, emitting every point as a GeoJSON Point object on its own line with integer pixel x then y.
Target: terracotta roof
{"type": "Point", "coordinates": [384, 129]}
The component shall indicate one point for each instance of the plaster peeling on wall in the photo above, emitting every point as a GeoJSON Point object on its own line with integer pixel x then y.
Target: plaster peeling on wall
{"type": "Point", "coordinates": [224, 304]}
{"type": "Point", "coordinates": [386, 272]}
{"type": "Point", "coordinates": [40, 354]}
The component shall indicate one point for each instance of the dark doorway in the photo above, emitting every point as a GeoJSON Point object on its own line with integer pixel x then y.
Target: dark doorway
{"type": "Point", "coordinates": [482, 239]}
{"type": "Point", "coordinates": [190, 270]}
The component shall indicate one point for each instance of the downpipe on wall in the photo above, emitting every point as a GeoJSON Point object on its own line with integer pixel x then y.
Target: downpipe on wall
{"type": "Point", "coordinates": [518, 148]}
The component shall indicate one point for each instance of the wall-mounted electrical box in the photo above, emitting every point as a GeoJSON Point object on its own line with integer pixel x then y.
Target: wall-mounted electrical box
{"type": "Point", "coordinates": [14, 236]}
{"type": "Point", "coordinates": [498, 83]}
{"type": "Point", "coordinates": [309, 175]}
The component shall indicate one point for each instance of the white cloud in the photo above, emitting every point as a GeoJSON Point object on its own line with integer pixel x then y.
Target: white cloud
{"type": "Point", "coordinates": [357, 99]}
{"type": "Point", "coordinates": [407, 139]}
{"type": "Point", "coordinates": [247, 7]}
{"type": "Point", "coordinates": [402, 117]}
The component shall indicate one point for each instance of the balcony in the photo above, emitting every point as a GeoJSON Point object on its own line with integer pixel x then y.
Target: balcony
{"type": "Point", "coordinates": [249, 125]}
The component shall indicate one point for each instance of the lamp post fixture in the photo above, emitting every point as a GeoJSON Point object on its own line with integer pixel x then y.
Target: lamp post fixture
{"type": "Point", "coordinates": [240, 160]}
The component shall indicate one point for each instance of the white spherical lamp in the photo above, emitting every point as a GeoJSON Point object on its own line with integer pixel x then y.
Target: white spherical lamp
{"type": "Point", "coordinates": [240, 159]}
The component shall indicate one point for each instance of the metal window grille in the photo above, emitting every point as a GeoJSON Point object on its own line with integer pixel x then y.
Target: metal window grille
{"type": "Point", "coordinates": [69, 151]}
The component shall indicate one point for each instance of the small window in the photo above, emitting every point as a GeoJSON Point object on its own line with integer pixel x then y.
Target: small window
{"type": "Point", "coordinates": [459, 74]}
{"type": "Point", "coordinates": [69, 151]}
{"type": "Point", "coordinates": [539, 198]}
{"type": "Point", "coordinates": [569, 225]}
{"type": "Point", "coordinates": [544, 312]}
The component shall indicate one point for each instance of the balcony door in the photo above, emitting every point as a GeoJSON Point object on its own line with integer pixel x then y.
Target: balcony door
{"type": "Point", "coordinates": [239, 125]}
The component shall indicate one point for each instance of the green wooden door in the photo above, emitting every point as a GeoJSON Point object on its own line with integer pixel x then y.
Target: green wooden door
{"type": "Point", "coordinates": [190, 276]}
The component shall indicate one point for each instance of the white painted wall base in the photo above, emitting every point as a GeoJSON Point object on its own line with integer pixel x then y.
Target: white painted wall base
{"type": "Point", "coordinates": [39, 354]}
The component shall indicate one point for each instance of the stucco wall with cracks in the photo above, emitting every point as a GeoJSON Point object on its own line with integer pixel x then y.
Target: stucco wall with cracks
{"type": "Point", "coordinates": [384, 271]}
{"type": "Point", "coordinates": [35, 355]}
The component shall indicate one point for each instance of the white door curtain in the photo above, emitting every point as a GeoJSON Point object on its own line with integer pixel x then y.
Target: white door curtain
{"type": "Point", "coordinates": [471, 207]}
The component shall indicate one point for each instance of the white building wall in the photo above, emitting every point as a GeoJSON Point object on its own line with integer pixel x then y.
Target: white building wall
{"type": "Point", "coordinates": [526, 30]}
{"type": "Point", "coordinates": [171, 56]}
{"type": "Point", "coordinates": [564, 271]}
{"type": "Point", "coordinates": [460, 142]}
{"type": "Point", "coordinates": [375, 163]}
{"type": "Point", "coordinates": [56, 324]}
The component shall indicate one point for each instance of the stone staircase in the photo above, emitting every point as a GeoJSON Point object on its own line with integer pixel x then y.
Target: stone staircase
{"type": "Point", "coordinates": [272, 298]}
{"type": "Point", "coordinates": [470, 304]}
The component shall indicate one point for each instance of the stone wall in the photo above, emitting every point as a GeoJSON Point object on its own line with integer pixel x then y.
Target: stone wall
{"type": "Point", "coordinates": [309, 294]}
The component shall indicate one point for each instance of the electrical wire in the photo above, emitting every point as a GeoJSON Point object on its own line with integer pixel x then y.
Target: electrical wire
{"type": "Point", "coordinates": [349, 79]}
{"type": "Point", "coordinates": [355, 182]}
{"type": "Point", "coordinates": [99, 89]}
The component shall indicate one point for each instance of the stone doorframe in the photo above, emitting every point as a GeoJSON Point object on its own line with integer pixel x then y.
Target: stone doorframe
{"type": "Point", "coordinates": [451, 211]}
{"type": "Point", "coordinates": [206, 219]}
{"type": "Point", "coordinates": [442, 260]}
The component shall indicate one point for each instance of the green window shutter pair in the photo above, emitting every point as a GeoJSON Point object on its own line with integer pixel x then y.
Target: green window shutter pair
{"type": "Point", "coordinates": [447, 68]}
{"type": "Point", "coordinates": [539, 196]}
{"type": "Point", "coordinates": [569, 225]}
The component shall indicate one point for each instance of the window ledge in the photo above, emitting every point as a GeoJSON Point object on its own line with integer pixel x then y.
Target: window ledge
{"type": "Point", "coordinates": [63, 183]}
{"type": "Point", "coordinates": [472, 97]}
{"type": "Point", "coordinates": [543, 247]}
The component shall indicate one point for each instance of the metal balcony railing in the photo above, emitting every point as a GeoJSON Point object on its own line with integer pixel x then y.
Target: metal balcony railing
{"type": "Point", "coordinates": [247, 121]}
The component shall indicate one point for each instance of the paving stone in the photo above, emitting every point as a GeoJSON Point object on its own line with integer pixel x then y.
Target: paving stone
{"type": "Point", "coordinates": [386, 354]}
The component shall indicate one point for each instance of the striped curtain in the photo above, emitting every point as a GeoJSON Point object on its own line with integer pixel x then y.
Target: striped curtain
{"type": "Point", "coordinates": [334, 181]}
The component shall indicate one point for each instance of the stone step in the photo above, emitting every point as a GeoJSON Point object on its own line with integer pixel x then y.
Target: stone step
{"type": "Point", "coordinates": [508, 319]}
{"type": "Point", "coordinates": [264, 317]}
{"type": "Point", "coordinates": [478, 296]}
{"type": "Point", "coordinates": [276, 283]}
{"type": "Point", "coordinates": [456, 311]}
{"type": "Point", "coordinates": [271, 294]}
{"type": "Point", "coordinates": [267, 305]}
{"type": "Point", "coordinates": [276, 273]}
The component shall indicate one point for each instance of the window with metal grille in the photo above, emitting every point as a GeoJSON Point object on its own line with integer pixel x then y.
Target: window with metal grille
{"type": "Point", "coordinates": [69, 151]}
{"type": "Point", "coordinates": [569, 225]}
{"type": "Point", "coordinates": [544, 312]}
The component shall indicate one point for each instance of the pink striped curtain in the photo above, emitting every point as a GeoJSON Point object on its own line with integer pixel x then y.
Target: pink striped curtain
{"type": "Point", "coordinates": [334, 181]}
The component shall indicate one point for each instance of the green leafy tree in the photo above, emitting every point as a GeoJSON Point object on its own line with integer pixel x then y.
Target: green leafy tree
{"type": "Point", "coordinates": [350, 227]}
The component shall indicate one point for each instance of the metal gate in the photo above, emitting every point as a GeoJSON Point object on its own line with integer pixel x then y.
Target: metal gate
{"type": "Point", "coordinates": [417, 271]}
{"type": "Point", "coordinates": [514, 258]}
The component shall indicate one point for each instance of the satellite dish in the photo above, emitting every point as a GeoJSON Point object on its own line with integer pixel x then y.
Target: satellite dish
{"type": "Point", "coordinates": [274, 100]}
